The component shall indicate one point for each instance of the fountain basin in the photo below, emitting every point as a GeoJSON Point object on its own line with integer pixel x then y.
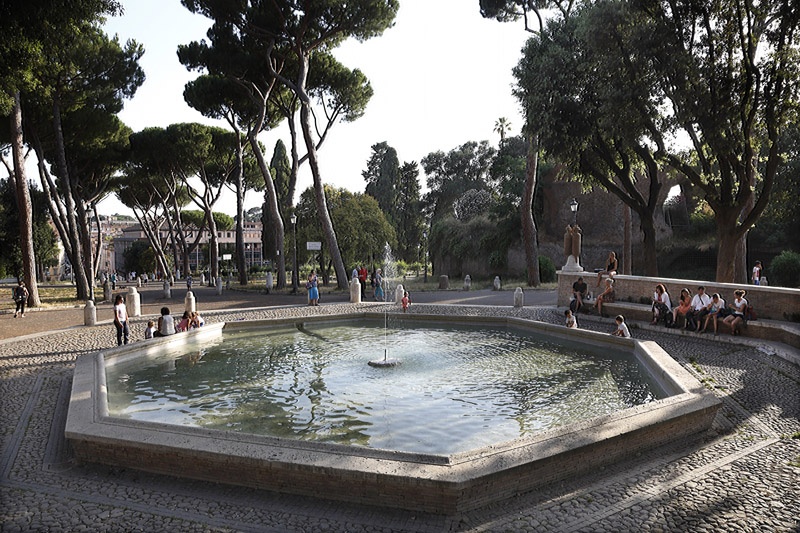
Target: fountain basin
{"type": "Point", "coordinates": [436, 483]}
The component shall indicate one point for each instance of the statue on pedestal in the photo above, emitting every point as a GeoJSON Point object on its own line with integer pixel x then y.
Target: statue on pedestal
{"type": "Point", "coordinates": [572, 249]}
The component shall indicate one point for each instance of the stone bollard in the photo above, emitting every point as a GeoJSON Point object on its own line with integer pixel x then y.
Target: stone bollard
{"type": "Point", "coordinates": [219, 285]}
{"type": "Point", "coordinates": [89, 314]}
{"type": "Point", "coordinates": [519, 297]}
{"type": "Point", "coordinates": [138, 281]}
{"type": "Point", "coordinates": [268, 282]}
{"type": "Point", "coordinates": [167, 290]}
{"type": "Point", "coordinates": [444, 282]}
{"type": "Point", "coordinates": [355, 291]}
{"type": "Point", "coordinates": [399, 292]}
{"type": "Point", "coordinates": [202, 279]}
{"type": "Point", "coordinates": [134, 303]}
{"type": "Point", "coordinates": [496, 284]}
{"type": "Point", "coordinates": [106, 291]}
{"type": "Point", "coordinates": [189, 303]}
{"type": "Point", "coordinates": [467, 282]}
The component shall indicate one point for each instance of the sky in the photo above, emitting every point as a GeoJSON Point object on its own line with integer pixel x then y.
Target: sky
{"type": "Point", "coordinates": [441, 77]}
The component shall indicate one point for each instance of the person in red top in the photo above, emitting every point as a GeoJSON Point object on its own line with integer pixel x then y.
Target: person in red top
{"type": "Point", "coordinates": [362, 279]}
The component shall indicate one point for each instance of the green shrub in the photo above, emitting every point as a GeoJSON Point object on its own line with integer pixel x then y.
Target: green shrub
{"type": "Point", "coordinates": [547, 270]}
{"type": "Point", "coordinates": [784, 270]}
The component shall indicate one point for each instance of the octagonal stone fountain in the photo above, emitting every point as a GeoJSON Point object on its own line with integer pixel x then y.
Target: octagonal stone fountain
{"type": "Point", "coordinates": [447, 480]}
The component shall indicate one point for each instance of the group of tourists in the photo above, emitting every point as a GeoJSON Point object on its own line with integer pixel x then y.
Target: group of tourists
{"type": "Point", "coordinates": [700, 310]}
{"type": "Point", "coordinates": [165, 326]}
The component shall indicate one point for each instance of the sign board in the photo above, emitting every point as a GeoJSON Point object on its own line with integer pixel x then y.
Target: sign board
{"type": "Point", "coordinates": [311, 245]}
{"type": "Point", "coordinates": [226, 257]}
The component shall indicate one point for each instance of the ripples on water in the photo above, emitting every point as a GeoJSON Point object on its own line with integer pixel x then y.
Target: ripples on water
{"type": "Point", "coordinates": [458, 388]}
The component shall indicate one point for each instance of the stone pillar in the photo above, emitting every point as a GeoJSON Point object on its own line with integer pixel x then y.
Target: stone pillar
{"type": "Point", "coordinates": [189, 303]}
{"type": "Point", "coordinates": [134, 303]}
{"type": "Point", "coordinates": [138, 281]}
{"type": "Point", "coordinates": [219, 285]}
{"type": "Point", "coordinates": [89, 314]}
{"type": "Point", "coordinates": [167, 290]}
{"type": "Point", "coordinates": [269, 281]}
{"type": "Point", "coordinates": [496, 283]}
{"type": "Point", "coordinates": [202, 278]}
{"type": "Point", "coordinates": [467, 282]}
{"type": "Point", "coordinates": [398, 294]}
{"type": "Point", "coordinates": [106, 291]}
{"type": "Point", "coordinates": [355, 291]}
{"type": "Point", "coordinates": [444, 282]}
{"type": "Point", "coordinates": [519, 297]}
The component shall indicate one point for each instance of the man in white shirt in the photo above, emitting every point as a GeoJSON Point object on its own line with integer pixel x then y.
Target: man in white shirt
{"type": "Point", "coordinates": [699, 309]}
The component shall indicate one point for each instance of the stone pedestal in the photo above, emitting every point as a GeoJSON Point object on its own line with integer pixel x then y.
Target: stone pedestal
{"type": "Point", "coordinates": [219, 285]}
{"type": "Point", "coordinates": [189, 303]}
{"type": "Point", "coordinates": [134, 303]}
{"type": "Point", "coordinates": [167, 290]}
{"type": "Point", "coordinates": [106, 291]}
{"type": "Point", "coordinates": [573, 265]}
{"type": "Point", "coordinates": [89, 314]}
{"type": "Point", "coordinates": [138, 281]}
{"type": "Point", "coordinates": [398, 294]}
{"type": "Point", "coordinates": [467, 282]}
{"type": "Point", "coordinates": [444, 282]}
{"type": "Point", "coordinates": [203, 278]}
{"type": "Point", "coordinates": [519, 297]}
{"type": "Point", "coordinates": [268, 282]}
{"type": "Point", "coordinates": [496, 283]}
{"type": "Point", "coordinates": [355, 291]}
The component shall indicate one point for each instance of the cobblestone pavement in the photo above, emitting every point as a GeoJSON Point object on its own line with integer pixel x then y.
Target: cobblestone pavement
{"type": "Point", "coordinates": [741, 476]}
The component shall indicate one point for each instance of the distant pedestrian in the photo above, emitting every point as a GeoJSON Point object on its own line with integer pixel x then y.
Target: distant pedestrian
{"type": "Point", "coordinates": [379, 295]}
{"type": "Point", "coordinates": [188, 282]}
{"type": "Point", "coordinates": [757, 273]}
{"type": "Point", "coordinates": [20, 298]}
{"type": "Point", "coordinates": [121, 320]}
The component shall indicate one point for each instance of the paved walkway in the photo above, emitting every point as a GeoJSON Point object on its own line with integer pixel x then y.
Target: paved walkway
{"type": "Point", "coordinates": [742, 476]}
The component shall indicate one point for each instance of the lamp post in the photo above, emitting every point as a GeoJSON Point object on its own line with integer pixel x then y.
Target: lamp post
{"type": "Point", "coordinates": [295, 273]}
{"type": "Point", "coordinates": [425, 257]}
{"type": "Point", "coordinates": [573, 206]}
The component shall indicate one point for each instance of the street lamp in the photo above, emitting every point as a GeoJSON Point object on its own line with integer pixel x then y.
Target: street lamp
{"type": "Point", "coordinates": [573, 206]}
{"type": "Point", "coordinates": [295, 273]}
{"type": "Point", "coordinates": [425, 257]}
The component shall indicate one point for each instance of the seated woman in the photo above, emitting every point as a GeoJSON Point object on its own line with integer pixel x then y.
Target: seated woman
{"type": "Point", "coordinates": [607, 296]}
{"type": "Point", "coordinates": [716, 306]}
{"type": "Point", "coordinates": [166, 324]}
{"type": "Point", "coordinates": [683, 307]}
{"type": "Point", "coordinates": [662, 306]}
{"type": "Point", "coordinates": [738, 310]}
{"type": "Point", "coordinates": [579, 289]}
{"type": "Point", "coordinates": [611, 268]}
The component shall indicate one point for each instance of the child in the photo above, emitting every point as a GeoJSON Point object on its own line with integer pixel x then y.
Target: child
{"type": "Point", "coordinates": [150, 329]}
{"type": "Point", "coordinates": [197, 321]}
{"type": "Point", "coordinates": [406, 301]}
{"type": "Point", "coordinates": [622, 327]}
{"type": "Point", "coordinates": [183, 325]}
{"type": "Point", "coordinates": [571, 321]}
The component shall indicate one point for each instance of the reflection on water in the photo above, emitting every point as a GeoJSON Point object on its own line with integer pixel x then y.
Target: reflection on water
{"type": "Point", "coordinates": [458, 388]}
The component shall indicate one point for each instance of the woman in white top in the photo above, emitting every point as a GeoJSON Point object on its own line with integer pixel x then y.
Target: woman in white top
{"type": "Point", "coordinates": [166, 324]}
{"type": "Point", "coordinates": [739, 308]}
{"type": "Point", "coordinates": [662, 307]}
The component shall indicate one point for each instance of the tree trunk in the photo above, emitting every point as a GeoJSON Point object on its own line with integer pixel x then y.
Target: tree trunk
{"type": "Point", "coordinates": [650, 256]}
{"type": "Point", "coordinates": [23, 204]}
{"type": "Point", "coordinates": [627, 250]}
{"type": "Point", "coordinates": [82, 284]}
{"type": "Point", "coordinates": [529, 235]}
{"type": "Point", "coordinates": [241, 260]}
{"type": "Point", "coordinates": [271, 198]}
{"type": "Point", "coordinates": [731, 249]}
{"type": "Point", "coordinates": [322, 207]}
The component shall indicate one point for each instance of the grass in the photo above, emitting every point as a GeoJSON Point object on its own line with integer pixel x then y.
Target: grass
{"type": "Point", "coordinates": [55, 295]}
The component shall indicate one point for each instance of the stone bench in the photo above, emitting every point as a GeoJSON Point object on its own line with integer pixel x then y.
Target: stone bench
{"type": "Point", "coordinates": [773, 330]}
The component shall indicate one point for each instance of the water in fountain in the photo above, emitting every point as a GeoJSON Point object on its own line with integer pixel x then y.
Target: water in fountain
{"type": "Point", "coordinates": [389, 283]}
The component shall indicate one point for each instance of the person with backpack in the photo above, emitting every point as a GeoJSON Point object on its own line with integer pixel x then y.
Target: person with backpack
{"type": "Point", "coordinates": [20, 298]}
